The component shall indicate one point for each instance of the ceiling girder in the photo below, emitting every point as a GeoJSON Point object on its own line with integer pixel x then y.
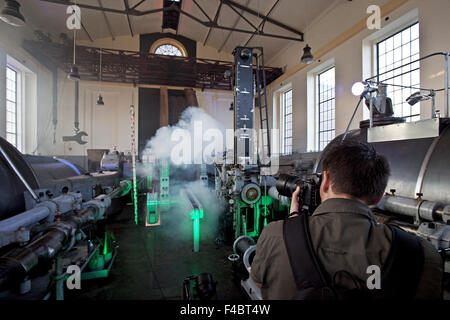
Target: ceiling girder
{"type": "Point", "coordinates": [210, 24]}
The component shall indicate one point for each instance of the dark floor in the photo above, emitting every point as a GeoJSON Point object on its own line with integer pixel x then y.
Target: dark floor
{"type": "Point", "coordinates": [152, 262]}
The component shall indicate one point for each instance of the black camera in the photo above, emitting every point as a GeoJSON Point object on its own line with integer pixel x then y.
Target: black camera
{"type": "Point", "coordinates": [309, 198]}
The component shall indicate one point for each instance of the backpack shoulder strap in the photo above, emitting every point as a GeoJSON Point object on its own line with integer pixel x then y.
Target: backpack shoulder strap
{"type": "Point", "coordinates": [308, 272]}
{"type": "Point", "coordinates": [403, 268]}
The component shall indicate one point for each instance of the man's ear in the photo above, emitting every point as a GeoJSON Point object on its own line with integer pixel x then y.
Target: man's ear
{"type": "Point", "coordinates": [326, 183]}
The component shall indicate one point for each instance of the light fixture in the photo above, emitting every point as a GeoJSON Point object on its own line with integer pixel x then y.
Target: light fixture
{"type": "Point", "coordinates": [307, 57]}
{"type": "Point", "coordinates": [11, 14]}
{"type": "Point", "coordinates": [418, 97]}
{"type": "Point", "coordinates": [362, 88]}
{"type": "Point", "coordinates": [74, 74]}
{"type": "Point", "coordinates": [382, 104]}
{"type": "Point", "coordinates": [358, 88]}
{"type": "Point", "coordinates": [100, 100]}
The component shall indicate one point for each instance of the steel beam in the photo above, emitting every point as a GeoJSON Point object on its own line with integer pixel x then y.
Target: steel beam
{"type": "Point", "coordinates": [260, 15]}
{"type": "Point", "coordinates": [203, 11]}
{"type": "Point", "coordinates": [234, 26]}
{"type": "Point", "coordinates": [242, 16]}
{"type": "Point", "coordinates": [209, 24]}
{"type": "Point", "coordinates": [108, 24]}
{"type": "Point", "coordinates": [261, 25]}
{"type": "Point", "coordinates": [216, 17]}
{"type": "Point", "coordinates": [138, 4]}
{"type": "Point", "coordinates": [127, 7]}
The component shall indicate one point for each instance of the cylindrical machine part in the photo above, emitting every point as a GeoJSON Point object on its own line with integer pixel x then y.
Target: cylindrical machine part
{"type": "Point", "coordinates": [15, 265]}
{"type": "Point", "coordinates": [428, 210]}
{"type": "Point", "coordinates": [419, 167]}
{"type": "Point", "coordinates": [12, 190]}
{"type": "Point", "coordinates": [25, 219]}
{"type": "Point", "coordinates": [251, 193]}
{"type": "Point", "coordinates": [245, 247]}
{"type": "Point", "coordinates": [400, 205]}
{"type": "Point", "coordinates": [18, 174]}
{"type": "Point", "coordinates": [241, 244]}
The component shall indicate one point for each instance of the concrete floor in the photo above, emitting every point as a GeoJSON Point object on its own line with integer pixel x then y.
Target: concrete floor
{"type": "Point", "coordinates": [152, 262]}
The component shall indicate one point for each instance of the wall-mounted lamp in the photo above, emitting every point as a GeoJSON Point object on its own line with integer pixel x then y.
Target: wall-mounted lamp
{"type": "Point", "coordinates": [11, 14]}
{"type": "Point", "coordinates": [418, 97]}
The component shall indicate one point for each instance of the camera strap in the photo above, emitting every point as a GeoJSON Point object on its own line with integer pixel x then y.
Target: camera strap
{"type": "Point", "coordinates": [308, 272]}
{"type": "Point", "coordinates": [401, 271]}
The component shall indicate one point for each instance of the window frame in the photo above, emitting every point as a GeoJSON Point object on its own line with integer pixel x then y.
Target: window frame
{"type": "Point", "coordinates": [287, 148]}
{"type": "Point", "coordinates": [168, 41]}
{"type": "Point", "coordinates": [318, 108]}
{"type": "Point", "coordinates": [16, 122]}
{"type": "Point", "coordinates": [411, 116]}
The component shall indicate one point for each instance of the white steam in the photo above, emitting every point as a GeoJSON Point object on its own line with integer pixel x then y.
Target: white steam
{"type": "Point", "coordinates": [194, 138]}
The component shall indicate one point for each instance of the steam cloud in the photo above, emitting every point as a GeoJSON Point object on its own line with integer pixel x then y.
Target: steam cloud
{"type": "Point", "coordinates": [194, 122]}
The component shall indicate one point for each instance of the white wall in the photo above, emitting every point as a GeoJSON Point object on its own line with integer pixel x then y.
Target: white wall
{"type": "Point", "coordinates": [108, 126]}
{"type": "Point", "coordinates": [348, 58]}
{"type": "Point", "coordinates": [217, 104]}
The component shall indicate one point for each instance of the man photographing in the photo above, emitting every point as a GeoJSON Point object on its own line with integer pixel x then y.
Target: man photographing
{"type": "Point", "coordinates": [330, 254]}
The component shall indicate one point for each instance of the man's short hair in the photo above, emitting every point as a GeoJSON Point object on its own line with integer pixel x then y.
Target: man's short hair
{"type": "Point", "coordinates": [356, 169]}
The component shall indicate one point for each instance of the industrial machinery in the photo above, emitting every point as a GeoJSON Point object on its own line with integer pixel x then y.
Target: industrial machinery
{"type": "Point", "coordinates": [417, 196]}
{"type": "Point", "coordinates": [201, 287]}
{"type": "Point", "coordinates": [242, 181]}
{"type": "Point", "coordinates": [51, 223]}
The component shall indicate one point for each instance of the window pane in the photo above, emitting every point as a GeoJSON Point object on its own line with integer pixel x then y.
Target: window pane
{"type": "Point", "coordinates": [168, 50]}
{"type": "Point", "coordinates": [11, 106]}
{"type": "Point", "coordinates": [399, 50]}
{"type": "Point", "coordinates": [287, 122]}
{"type": "Point", "coordinates": [326, 105]}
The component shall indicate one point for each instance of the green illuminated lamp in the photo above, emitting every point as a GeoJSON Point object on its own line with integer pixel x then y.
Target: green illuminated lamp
{"type": "Point", "coordinates": [196, 215]}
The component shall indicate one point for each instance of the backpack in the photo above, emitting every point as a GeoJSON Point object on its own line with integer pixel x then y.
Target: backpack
{"type": "Point", "coordinates": [400, 274]}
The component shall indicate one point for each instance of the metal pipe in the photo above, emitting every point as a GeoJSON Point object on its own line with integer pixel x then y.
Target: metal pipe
{"type": "Point", "coordinates": [15, 266]}
{"type": "Point", "coordinates": [25, 219]}
{"type": "Point", "coordinates": [371, 111]}
{"type": "Point", "coordinates": [19, 175]}
{"type": "Point", "coordinates": [447, 83]}
{"type": "Point", "coordinates": [351, 120]}
{"type": "Point", "coordinates": [433, 104]}
{"type": "Point", "coordinates": [416, 208]}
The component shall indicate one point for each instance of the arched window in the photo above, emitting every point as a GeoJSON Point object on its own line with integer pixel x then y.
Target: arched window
{"type": "Point", "coordinates": [168, 50]}
{"type": "Point", "coordinates": [168, 47]}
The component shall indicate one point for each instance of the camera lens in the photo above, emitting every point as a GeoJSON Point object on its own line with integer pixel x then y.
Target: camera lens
{"type": "Point", "coordinates": [287, 184]}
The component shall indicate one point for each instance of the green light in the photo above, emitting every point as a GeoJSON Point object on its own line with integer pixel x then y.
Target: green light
{"type": "Point", "coordinates": [105, 244]}
{"type": "Point", "coordinates": [135, 202]}
{"type": "Point", "coordinates": [196, 215]}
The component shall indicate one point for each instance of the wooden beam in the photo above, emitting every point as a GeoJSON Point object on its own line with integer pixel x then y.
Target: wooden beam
{"type": "Point", "coordinates": [191, 97]}
{"type": "Point", "coordinates": [386, 9]}
{"type": "Point", "coordinates": [152, 86]}
{"type": "Point", "coordinates": [164, 107]}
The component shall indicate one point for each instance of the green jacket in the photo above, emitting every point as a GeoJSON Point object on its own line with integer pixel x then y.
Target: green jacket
{"type": "Point", "coordinates": [346, 237]}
